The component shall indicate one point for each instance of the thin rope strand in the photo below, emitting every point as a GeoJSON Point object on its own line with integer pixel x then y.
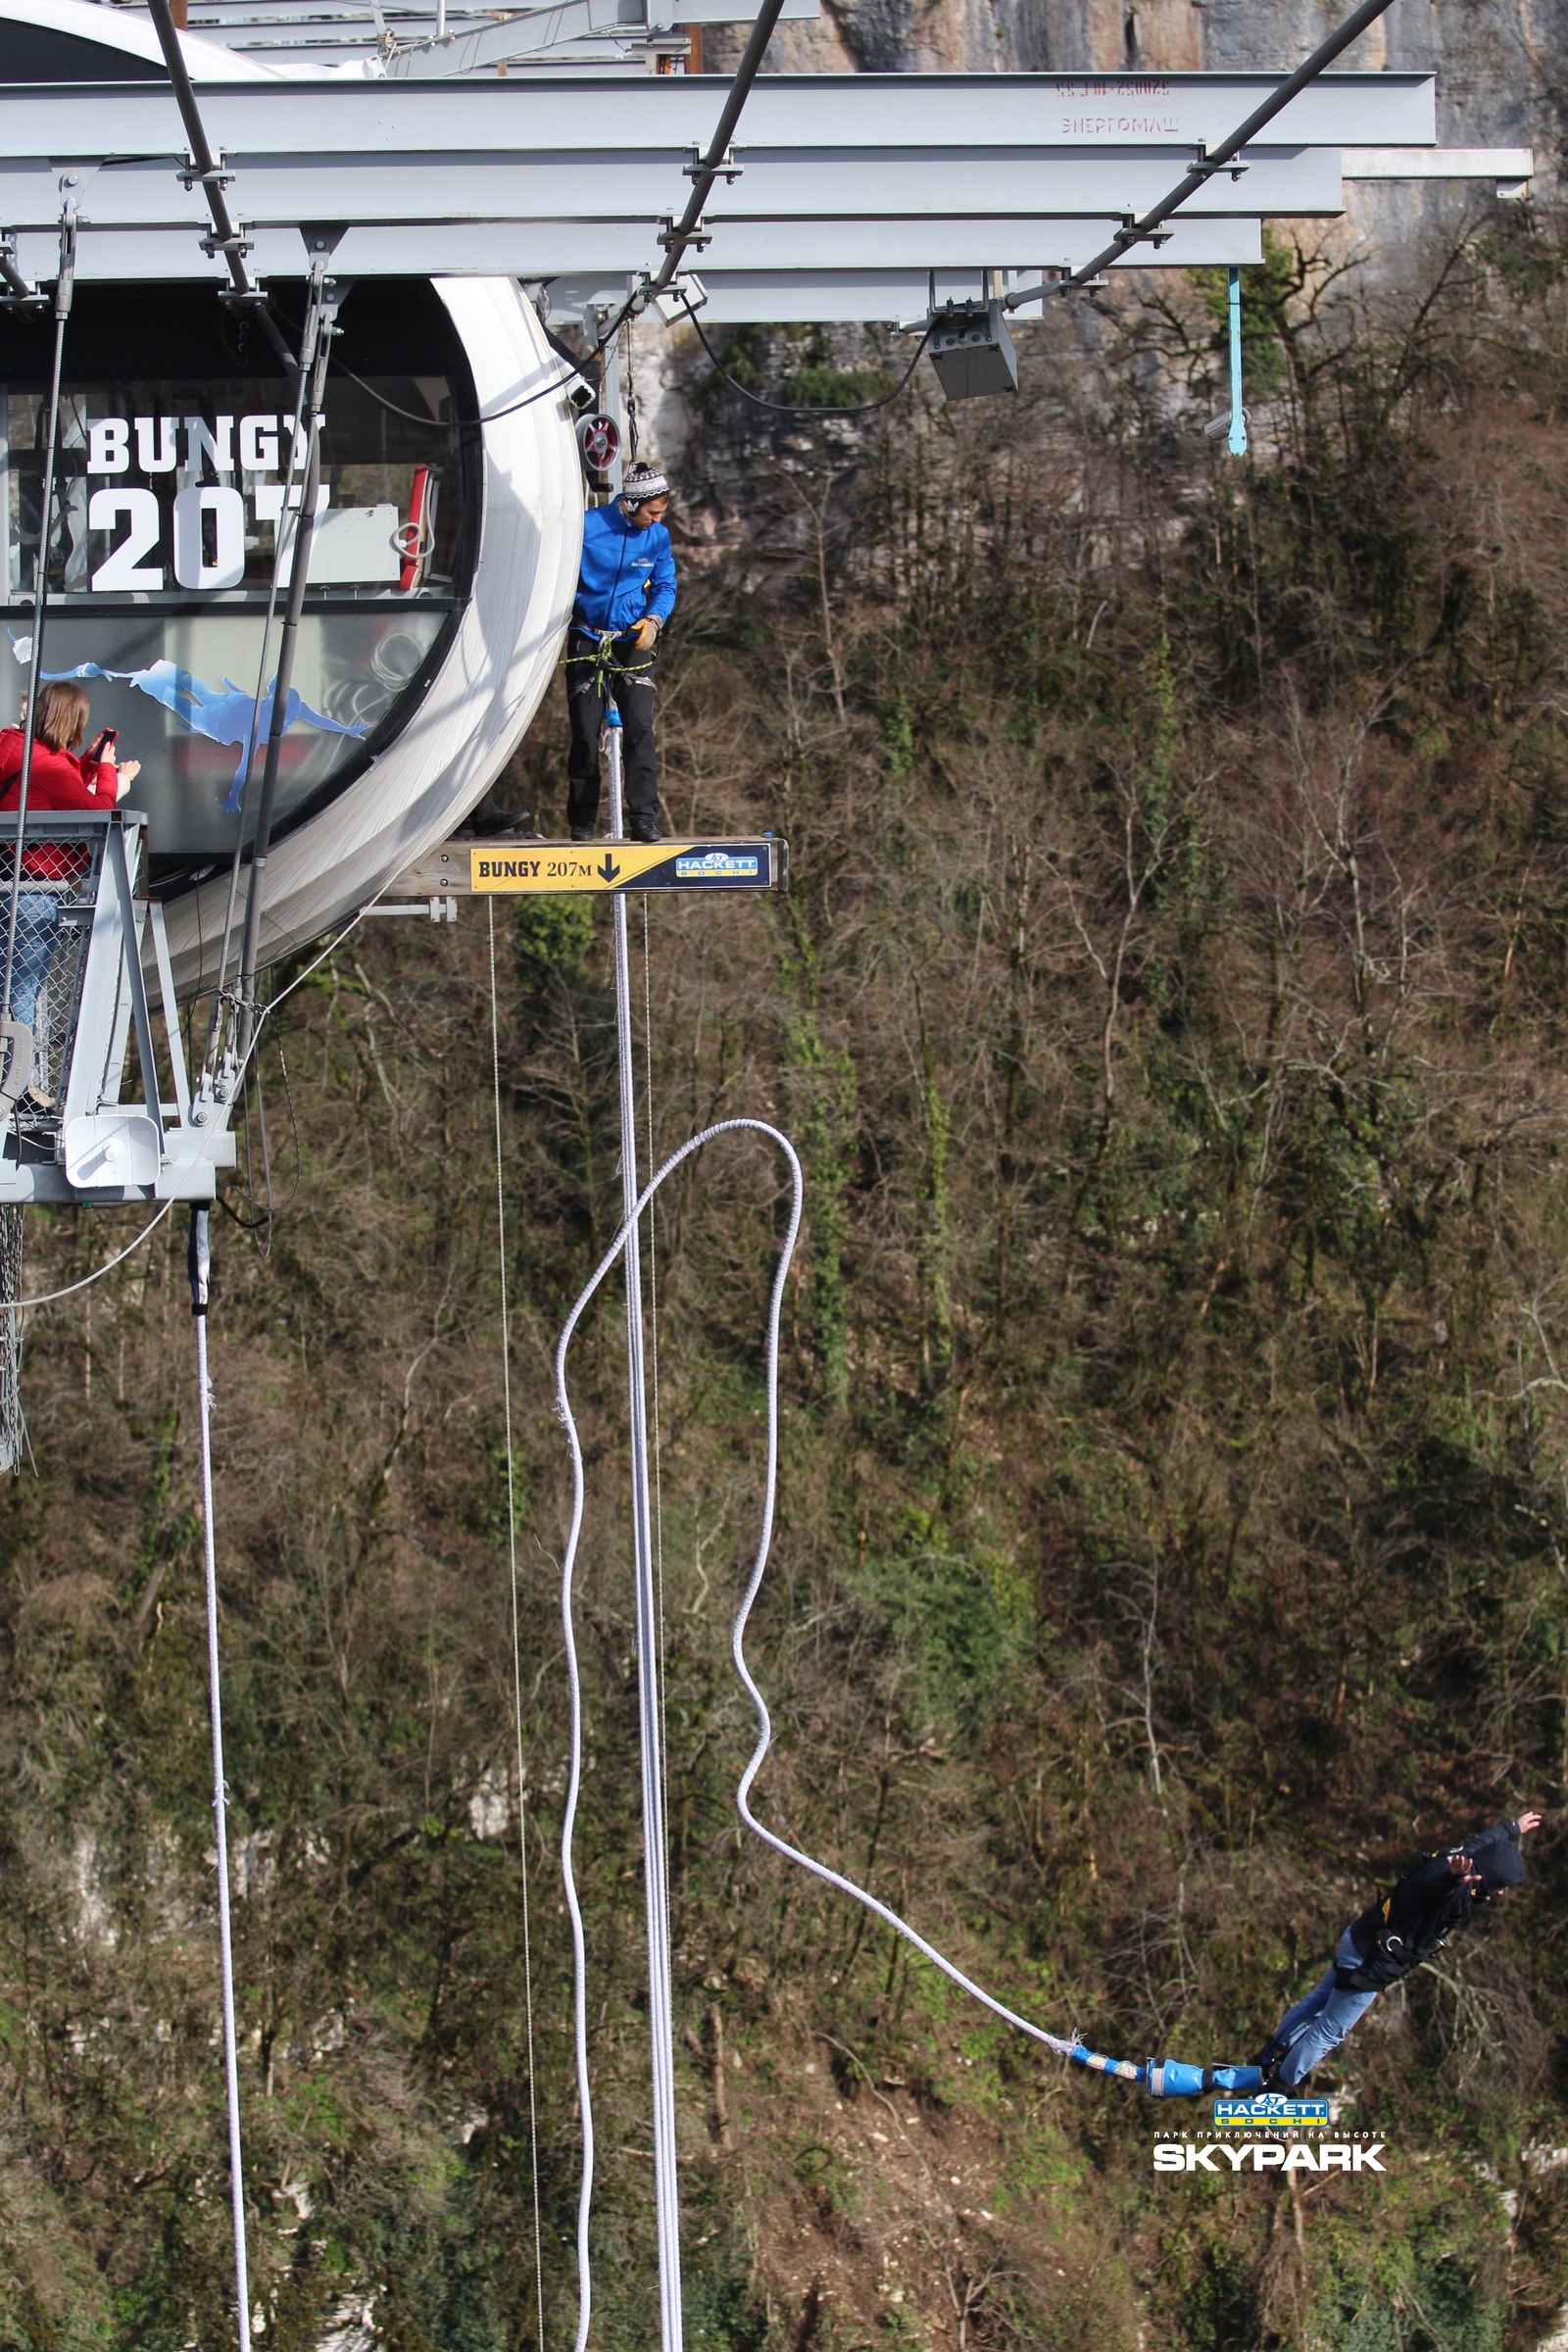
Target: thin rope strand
{"type": "Point", "coordinates": [516, 1643]}
{"type": "Point", "coordinates": [221, 1829]}
{"type": "Point", "coordinates": [265, 1011]}
{"type": "Point", "coordinates": [18, 1306]}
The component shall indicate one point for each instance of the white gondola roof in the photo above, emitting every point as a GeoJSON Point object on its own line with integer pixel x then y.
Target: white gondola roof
{"type": "Point", "coordinates": [131, 32]}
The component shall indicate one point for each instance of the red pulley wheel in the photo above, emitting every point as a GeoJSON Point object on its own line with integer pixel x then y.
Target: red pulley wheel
{"type": "Point", "coordinates": [601, 442]}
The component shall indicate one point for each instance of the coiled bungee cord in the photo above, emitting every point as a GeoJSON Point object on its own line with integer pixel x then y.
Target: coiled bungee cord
{"type": "Point", "coordinates": [1162, 2078]}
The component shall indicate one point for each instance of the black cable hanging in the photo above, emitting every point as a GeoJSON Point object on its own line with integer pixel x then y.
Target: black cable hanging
{"type": "Point", "coordinates": [786, 407]}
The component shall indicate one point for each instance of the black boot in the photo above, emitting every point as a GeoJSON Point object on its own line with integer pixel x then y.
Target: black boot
{"type": "Point", "coordinates": [642, 828]}
{"type": "Point", "coordinates": [1288, 2090]}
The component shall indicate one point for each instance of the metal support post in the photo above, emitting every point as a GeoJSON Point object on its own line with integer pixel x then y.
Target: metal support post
{"type": "Point", "coordinates": [1238, 435]}
{"type": "Point", "coordinates": [20, 1041]}
{"type": "Point", "coordinates": [661, 2019]}
{"type": "Point", "coordinates": [314, 347]}
{"type": "Point", "coordinates": [200, 1265]}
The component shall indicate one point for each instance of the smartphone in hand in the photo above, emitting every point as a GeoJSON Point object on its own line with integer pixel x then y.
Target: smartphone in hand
{"type": "Point", "coordinates": [104, 747]}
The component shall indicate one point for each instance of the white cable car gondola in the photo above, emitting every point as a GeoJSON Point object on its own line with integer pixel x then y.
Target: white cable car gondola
{"type": "Point", "coordinates": [448, 530]}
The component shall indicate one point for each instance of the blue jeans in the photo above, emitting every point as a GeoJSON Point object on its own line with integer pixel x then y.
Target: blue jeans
{"type": "Point", "coordinates": [1320, 2021]}
{"type": "Point", "coordinates": [38, 935]}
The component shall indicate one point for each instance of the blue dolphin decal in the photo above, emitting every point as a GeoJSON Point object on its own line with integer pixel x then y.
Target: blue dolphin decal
{"type": "Point", "coordinates": [231, 716]}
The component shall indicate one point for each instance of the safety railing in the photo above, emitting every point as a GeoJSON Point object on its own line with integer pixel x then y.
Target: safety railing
{"type": "Point", "coordinates": [62, 860]}
{"type": "Point", "coordinates": [77, 984]}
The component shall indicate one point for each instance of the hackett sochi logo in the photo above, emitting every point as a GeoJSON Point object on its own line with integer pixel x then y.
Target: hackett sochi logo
{"type": "Point", "coordinates": [1268, 2155]}
{"type": "Point", "coordinates": [1272, 2111]}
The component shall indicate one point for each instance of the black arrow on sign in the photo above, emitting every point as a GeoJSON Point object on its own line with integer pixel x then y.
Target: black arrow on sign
{"type": "Point", "coordinates": [610, 872]}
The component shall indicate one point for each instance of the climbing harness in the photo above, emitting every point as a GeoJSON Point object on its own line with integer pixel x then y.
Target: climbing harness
{"type": "Point", "coordinates": [199, 1261]}
{"type": "Point", "coordinates": [603, 667]}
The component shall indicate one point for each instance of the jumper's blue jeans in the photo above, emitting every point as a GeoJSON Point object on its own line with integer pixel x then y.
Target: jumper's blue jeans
{"type": "Point", "coordinates": [1320, 2021]}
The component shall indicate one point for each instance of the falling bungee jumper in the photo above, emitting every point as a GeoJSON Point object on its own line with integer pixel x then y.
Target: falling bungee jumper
{"type": "Point", "coordinates": [1433, 1899]}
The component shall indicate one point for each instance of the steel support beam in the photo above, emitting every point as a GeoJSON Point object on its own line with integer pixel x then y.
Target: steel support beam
{"type": "Point", "coordinates": [556, 116]}
{"type": "Point", "coordinates": [452, 191]}
{"type": "Point", "coordinates": [481, 47]}
{"type": "Point", "coordinates": [845, 185]}
{"type": "Point", "coordinates": [617, 254]}
{"type": "Point", "coordinates": [843, 297]}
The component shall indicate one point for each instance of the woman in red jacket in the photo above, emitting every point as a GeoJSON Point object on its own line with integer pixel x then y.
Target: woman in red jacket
{"type": "Point", "coordinates": [61, 779]}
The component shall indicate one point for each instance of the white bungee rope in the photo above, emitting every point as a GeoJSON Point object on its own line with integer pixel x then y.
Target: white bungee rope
{"type": "Point", "coordinates": [780, 1845]}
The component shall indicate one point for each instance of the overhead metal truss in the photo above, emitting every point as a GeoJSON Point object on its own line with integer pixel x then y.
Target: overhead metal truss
{"type": "Point", "coordinates": [845, 193]}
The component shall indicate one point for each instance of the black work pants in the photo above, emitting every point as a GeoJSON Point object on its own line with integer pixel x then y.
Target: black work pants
{"type": "Point", "coordinates": [596, 677]}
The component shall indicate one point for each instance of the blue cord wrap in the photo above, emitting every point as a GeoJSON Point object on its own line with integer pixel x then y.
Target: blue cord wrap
{"type": "Point", "coordinates": [1170, 2078]}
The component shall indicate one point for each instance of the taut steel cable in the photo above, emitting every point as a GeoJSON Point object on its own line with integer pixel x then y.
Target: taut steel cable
{"type": "Point", "coordinates": [200, 1285]}
{"type": "Point", "coordinates": [517, 1644]}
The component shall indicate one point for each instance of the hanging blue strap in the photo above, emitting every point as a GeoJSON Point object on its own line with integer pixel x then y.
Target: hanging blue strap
{"type": "Point", "coordinates": [1238, 438]}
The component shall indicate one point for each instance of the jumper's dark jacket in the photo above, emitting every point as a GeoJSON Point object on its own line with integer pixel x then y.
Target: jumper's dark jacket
{"type": "Point", "coordinates": [1426, 1907]}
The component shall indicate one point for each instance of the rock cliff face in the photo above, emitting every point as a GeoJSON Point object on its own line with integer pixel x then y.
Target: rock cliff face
{"type": "Point", "coordinates": [1501, 68]}
{"type": "Point", "coordinates": [1502, 65]}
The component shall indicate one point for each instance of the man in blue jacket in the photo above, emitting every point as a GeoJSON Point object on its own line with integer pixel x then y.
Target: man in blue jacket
{"type": "Point", "coordinates": [1435, 1899]}
{"type": "Point", "coordinates": [625, 594]}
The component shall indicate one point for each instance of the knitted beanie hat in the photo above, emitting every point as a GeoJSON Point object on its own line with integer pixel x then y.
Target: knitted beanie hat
{"type": "Point", "coordinates": [643, 482]}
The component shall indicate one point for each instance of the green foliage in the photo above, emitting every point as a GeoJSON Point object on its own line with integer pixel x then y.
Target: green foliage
{"type": "Point", "coordinates": [897, 739]}
{"type": "Point", "coordinates": [722, 2312]}
{"type": "Point", "coordinates": [1169, 1010]}
{"type": "Point", "coordinates": [822, 385]}
{"type": "Point", "coordinates": [1440, 2290]}
{"type": "Point", "coordinates": [554, 938]}
{"type": "Point", "coordinates": [742, 355]}
{"type": "Point", "coordinates": [951, 1628]}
